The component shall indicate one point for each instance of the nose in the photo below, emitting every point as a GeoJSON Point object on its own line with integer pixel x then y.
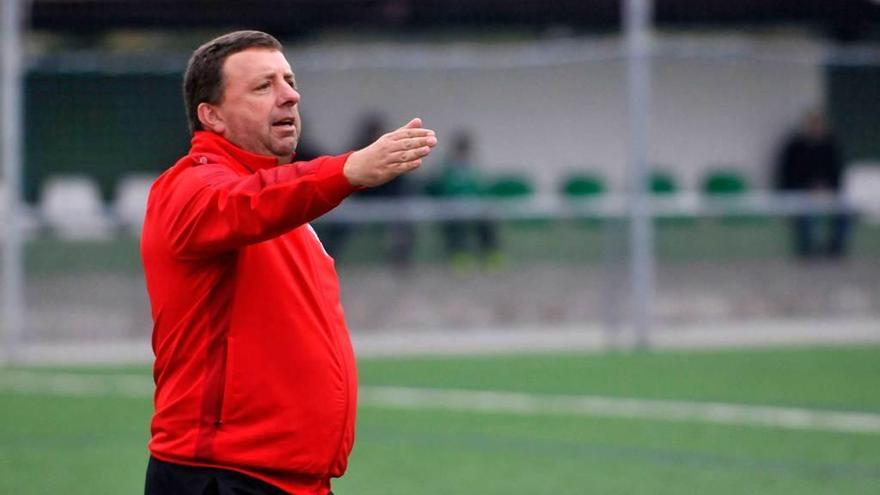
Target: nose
{"type": "Point", "coordinates": [288, 95]}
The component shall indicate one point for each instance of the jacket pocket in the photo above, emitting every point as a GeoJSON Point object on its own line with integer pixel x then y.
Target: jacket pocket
{"type": "Point", "coordinates": [226, 406]}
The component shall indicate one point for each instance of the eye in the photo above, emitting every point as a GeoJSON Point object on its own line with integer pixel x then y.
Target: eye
{"type": "Point", "coordinates": [292, 83]}
{"type": "Point", "coordinates": [265, 85]}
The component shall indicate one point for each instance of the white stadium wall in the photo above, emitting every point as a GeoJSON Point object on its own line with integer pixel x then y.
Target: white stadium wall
{"type": "Point", "coordinates": [551, 115]}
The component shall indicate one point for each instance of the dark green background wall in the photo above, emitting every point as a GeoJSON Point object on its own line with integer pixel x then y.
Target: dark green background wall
{"type": "Point", "coordinates": [102, 125]}
{"type": "Point", "coordinates": [854, 105]}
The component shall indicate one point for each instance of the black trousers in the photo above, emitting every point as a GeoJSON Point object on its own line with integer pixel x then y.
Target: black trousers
{"type": "Point", "coordinates": [165, 478]}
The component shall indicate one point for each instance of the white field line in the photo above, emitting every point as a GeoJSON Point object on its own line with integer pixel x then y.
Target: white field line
{"type": "Point", "coordinates": [612, 407]}
{"type": "Point", "coordinates": [76, 384]}
{"type": "Point", "coordinates": [489, 401]}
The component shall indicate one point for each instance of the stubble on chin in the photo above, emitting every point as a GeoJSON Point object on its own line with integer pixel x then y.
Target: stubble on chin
{"type": "Point", "coordinates": [285, 151]}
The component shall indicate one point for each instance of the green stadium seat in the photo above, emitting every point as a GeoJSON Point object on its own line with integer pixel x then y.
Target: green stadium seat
{"type": "Point", "coordinates": [724, 183]}
{"type": "Point", "coordinates": [455, 183]}
{"type": "Point", "coordinates": [662, 182]}
{"type": "Point", "coordinates": [727, 183]}
{"type": "Point", "coordinates": [581, 185]}
{"type": "Point", "coordinates": [510, 186]}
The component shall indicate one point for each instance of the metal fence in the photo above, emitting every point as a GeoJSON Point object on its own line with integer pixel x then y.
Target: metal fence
{"type": "Point", "coordinates": [720, 264]}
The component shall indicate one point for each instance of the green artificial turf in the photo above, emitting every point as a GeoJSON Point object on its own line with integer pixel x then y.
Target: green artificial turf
{"type": "Point", "coordinates": [91, 445]}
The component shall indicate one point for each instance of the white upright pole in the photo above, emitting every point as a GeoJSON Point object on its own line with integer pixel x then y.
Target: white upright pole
{"type": "Point", "coordinates": [637, 17]}
{"type": "Point", "coordinates": [10, 129]}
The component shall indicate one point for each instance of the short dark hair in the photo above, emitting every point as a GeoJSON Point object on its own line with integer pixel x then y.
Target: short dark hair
{"type": "Point", "coordinates": [203, 81]}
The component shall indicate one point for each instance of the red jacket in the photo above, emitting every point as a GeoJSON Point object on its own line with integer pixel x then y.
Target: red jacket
{"type": "Point", "coordinates": [254, 368]}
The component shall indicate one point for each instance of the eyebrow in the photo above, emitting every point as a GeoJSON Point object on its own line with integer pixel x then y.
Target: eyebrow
{"type": "Point", "coordinates": [271, 74]}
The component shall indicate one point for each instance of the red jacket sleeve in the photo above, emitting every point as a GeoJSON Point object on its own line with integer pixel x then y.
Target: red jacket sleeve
{"type": "Point", "coordinates": [210, 209]}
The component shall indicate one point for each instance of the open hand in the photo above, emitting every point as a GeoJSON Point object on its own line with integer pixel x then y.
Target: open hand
{"type": "Point", "coordinates": [395, 153]}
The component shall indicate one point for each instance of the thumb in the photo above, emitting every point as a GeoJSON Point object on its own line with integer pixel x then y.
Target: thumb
{"type": "Point", "coordinates": [415, 123]}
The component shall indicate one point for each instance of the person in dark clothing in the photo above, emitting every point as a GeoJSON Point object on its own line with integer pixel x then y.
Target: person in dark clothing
{"type": "Point", "coordinates": [332, 234]}
{"type": "Point", "coordinates": [399, 237]}
{"type": "Point", "coordinates": [811, 162]}
{"type": "Point", "coordinates": [459, 178]}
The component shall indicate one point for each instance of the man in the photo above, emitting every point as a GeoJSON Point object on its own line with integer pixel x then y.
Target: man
{"type": "Point", "coordinates": [459, 178]}
{"type": "Point", "coordinates": [399, 238]}
{"type": "Point", "coordinates": [255, 374]}
{"type": "Point", "coordinates": [811, 162]}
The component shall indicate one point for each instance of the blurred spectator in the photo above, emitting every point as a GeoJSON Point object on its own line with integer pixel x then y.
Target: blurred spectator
{"type": "Point", "coordinates": [329, 233]}
{"type": "Point", "coordinates": [811, 162]}
{"type": "Point", "coordinates": [399, 237]}
{"type": "Point", "coordinates": [307, 150]}
{"type": "Point", "coordinates": [460, 178]}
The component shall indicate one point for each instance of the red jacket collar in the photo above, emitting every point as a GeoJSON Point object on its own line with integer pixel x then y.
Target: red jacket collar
{"type": "Point", "coordinates": [209, 142]}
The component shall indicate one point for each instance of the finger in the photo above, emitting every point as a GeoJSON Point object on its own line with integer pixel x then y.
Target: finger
{"type": "Point", "coordinates": [409, 166]}
{"type": "Point", "coordinates": [413, 124]}
{"type": "Point", "coordinates": [404, 133]}
{"type": "Point", "coordinates": [410, 143]}
{"type": "Point", "coordinates": [413, 154]}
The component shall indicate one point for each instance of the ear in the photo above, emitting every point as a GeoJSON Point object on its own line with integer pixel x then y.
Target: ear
{"type": "Point", "coordinates": [210, 117]}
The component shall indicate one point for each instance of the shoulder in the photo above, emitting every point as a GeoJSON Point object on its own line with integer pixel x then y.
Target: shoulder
{"type": "Point", "coordinates": [192, 172]}
{"type": "Point", "coordinates": [205, 168]}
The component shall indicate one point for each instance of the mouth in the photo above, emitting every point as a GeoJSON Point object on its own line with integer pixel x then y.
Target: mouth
{"type": "Point", "coordinates": [286, 123]}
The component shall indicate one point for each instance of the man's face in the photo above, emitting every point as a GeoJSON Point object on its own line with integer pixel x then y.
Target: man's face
{"type": "Point", "coordinates": [260, 106]}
